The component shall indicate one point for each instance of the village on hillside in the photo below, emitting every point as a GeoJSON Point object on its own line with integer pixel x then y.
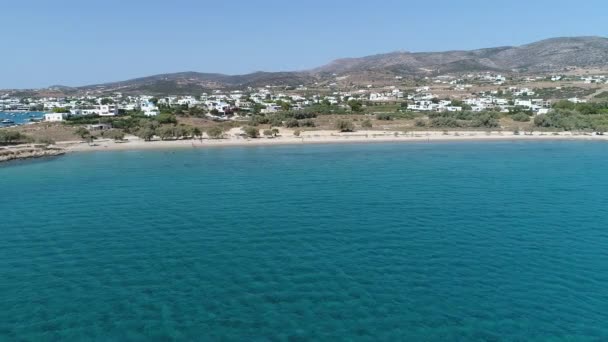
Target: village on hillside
{"type": "Point", "coordinates": [478, 101]}
{"type": "Point", "coordinates": [474, 92]}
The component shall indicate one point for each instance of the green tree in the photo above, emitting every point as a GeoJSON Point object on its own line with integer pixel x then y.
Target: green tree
{"type": "Point", "coordinates": [165, 118]}
{"type": "Point", "coordinates": [520, 117]}
{"type": "Point", "coordinates": [251, 132]}
{"type": "Point", "coordinates": [115, 134]}
{"type": "Point", "coordinates": [257, 108]}
{"type": "Point", "coordinates": [183, 131]}
{"type": "Point", "coordinates": [197, 133]}
{"type": "Point", "coordinates": [166, 132]}
{"type": "Point", "coordinates": [355, 106]}
{"type": "Point", "coordinates": [146, 133]}
{"type": "Point", "coordinates": [285, 106]}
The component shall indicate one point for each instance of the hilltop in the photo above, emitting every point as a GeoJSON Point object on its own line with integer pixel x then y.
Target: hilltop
{"type": "Point", "coordinates": [543, 56]}
{"type": "Point", "coordinates": [546, 56]}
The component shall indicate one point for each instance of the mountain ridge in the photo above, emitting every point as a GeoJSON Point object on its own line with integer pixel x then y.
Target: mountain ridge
{"type": "Point", "coordinates": [548, 55]}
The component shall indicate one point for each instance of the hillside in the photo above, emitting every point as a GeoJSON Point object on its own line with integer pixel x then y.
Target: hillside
{"type": "Point", "coordinates": [547, 55]}
{"type": "Point", "coordinates": [541, 57]}
{"type": "Point", "coordinates": [194, 82]}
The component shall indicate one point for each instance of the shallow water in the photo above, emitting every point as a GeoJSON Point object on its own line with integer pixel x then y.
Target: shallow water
{"type": "Point", "coordinates": [417, 241]}
{"type": "Point", "coordinates": [19, 118]}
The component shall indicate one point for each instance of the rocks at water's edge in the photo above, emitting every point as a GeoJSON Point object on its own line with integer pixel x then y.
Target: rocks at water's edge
{"type": "Point", "coordinates": [28, 152]}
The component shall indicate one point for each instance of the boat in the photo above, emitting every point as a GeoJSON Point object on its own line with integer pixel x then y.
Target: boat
{"type": "Point", "coordinates": [7, 122]}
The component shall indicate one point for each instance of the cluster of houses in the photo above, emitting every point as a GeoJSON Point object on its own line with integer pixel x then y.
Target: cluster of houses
{"type": "Point", "coordinates": [427, 101]}
{"type": "Point", "coordinates": [224, 105]}
{"type": "Point", "coordinates": [10, 103]}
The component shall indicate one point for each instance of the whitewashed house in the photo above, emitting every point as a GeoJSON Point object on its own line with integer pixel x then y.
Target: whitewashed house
{"type": "Point", "coordinates": [55, 117]}
{"type": "Point", "coordinates": [149, 109]}
{"type": "Point", "coordinates": [107, 110]}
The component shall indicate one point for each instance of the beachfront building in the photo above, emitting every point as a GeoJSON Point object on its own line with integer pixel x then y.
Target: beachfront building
{"type": "Point", "coordinates": [55, 117]}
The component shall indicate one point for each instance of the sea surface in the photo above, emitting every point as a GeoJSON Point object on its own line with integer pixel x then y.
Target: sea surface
{"type": "Point", "coordinates": [419, 242]}
{"type": "Point", "coordinates": [20, 118]}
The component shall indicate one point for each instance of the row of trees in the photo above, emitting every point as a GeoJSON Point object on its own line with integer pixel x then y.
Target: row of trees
{"type": "Point", "coordinates": [569, 116]}
{"type": "Point", "coordinates": [171, 131]}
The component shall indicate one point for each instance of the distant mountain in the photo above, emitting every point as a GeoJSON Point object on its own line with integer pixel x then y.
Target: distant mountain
{"type": "Point", "coordinates": [194, 82]}
{"type": "Point", "coordinates": [540, 57]}
{"type": "Point", "coordinates": [547, 55]}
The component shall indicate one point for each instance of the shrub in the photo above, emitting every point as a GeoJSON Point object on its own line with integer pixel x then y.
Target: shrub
{"type": "Point", "coordinates": [268, 133]}
{"type": "Point", "coordinates": [13, 137]}
{"type": "Point", "coordinates": [420, 123]}
{"type": "Point", "coordinates": [251, 132]}
{"type": "Point", "coordinates": [384, 117]}
{"type": "Point", "coordinates": [444, 122]}
{"type": "Point", "coordinates": [82, 132]}
{"type": "Point", "coordinates": [165, 118]}
{"type": "Point", "coordinates": [215, 132]}
{"type": "Point", "coordinates": [307, 123]}
{"type": "Point", "coordinates": [520, 117]}
{"type": "Point", "coordinates": [292, 123]}
{"type": "Point", "coordinates": [345, 126]}
{"type": "Point", "coordinates": [366, 123]}
{"type": "Point", "coordinates": [486, 121]}
{"type": "Point", "coordinates": [297, 133]}
{"type": "Point", "coordinates": [356, 106]}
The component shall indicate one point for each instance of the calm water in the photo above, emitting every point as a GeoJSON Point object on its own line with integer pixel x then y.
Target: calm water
{"type": "Point", "coordinates": [20, 118]}
{"type": "Point", "coordinates": [467, 241]}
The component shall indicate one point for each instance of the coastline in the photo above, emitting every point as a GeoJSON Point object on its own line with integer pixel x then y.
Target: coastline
{"type": "Point", "coordinates": [24, 152]}
{"type": "Point", "coordinates": [321, 137]}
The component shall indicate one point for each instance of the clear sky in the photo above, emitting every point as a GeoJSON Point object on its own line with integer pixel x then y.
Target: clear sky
{"type": "Point", "coordinates": [73, 43]}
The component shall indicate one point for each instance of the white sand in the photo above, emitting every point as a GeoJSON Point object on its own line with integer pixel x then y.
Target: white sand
{"type": "Point", "coordinates": [324, 137]}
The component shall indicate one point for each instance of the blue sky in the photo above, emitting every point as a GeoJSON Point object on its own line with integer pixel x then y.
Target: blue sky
{"type": "Point", "coordinates": [83, 42]}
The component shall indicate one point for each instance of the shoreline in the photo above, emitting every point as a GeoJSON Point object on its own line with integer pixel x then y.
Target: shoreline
{"type": "Point", "coordinates": [27, 152]}
{"type": "Point", "coordinates": [321, 137]}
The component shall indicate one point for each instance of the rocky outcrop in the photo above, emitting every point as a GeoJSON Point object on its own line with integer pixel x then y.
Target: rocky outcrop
{"type": "Point", "coordinates": [28, 152]}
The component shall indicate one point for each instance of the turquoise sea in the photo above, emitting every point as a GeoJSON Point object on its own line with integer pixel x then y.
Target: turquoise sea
{"type": "Point", "coordinates": [19, 118]}
{"type": "Point", "coordinates": [392, 242]}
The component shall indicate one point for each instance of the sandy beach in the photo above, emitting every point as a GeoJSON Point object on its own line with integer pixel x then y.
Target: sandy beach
{"type": "Point", "coordinates": [232, 138]}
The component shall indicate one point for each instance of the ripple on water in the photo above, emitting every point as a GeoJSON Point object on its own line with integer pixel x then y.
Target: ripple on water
{"type": "Point", "coordinates": [384, 242]}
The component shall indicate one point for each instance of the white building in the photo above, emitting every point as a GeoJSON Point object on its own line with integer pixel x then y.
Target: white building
{"type": "Point", "coordinates": [107, 110]}
{"type": "Point", "coordinates": [55, 117]}
{"type": "Point", "coordinates": [149, 109]}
